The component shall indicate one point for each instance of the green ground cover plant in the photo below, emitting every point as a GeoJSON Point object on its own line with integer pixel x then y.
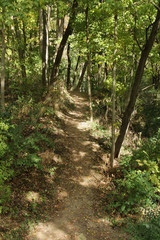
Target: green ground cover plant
{"type": "Point", "coordinates": [146, 229]}
{"type": "Point", "coordinates": [22, 137]}
{"type": "Point", "coordinates": [138, 186]}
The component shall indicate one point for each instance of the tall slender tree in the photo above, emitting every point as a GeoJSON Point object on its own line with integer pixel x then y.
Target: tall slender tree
{"type": "Point", "coordinates": [44, 66]}
{"type": "Point", "coordinates": [21, 41]}
{"type": "Point", "coordinates": [89, 64]}
{"type": "Point", "coordinates": [69, 67]}
{"type": "Point", "coordinates": [63, 42]}
{"type": "Point", "coordinates": [114, 90]}
{"type": "Point", "coordinates": [81, 76]}
{"type": "Point", "coordinates": [41, 30]}
{"type": "Point", "coordinates": [75, 72]}
{"type": "Point", "coordinates": [138, 77]}
{"type": "Point", "coordinates": [3, 62]}
{"type": "Point", "coordinates": [46, 23]}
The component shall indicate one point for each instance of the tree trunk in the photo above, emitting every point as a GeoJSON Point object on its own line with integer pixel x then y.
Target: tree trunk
{"type": "Point", "coordinates": [75, 72]}
{"type": "Point", "coordinates": [44, 66]}
{"type": "Point", "coordinates": [59, 29]}
{"type": "Point", "coordinates": [89, 66]}
{"type": "Point", "coordinates": [46, 23]}
{"type": "Point", "coordinates": [69, 68]}
{"type": "Point", "coordinates": [3, 63]}
{"type": "Point", "coordinates": [138, 76]}
{"type": "Point", "coordinates": [114, 92]}
{"type": "Point", "coordinates": [99, 74]}
{"type": "Point", "coordinates": [47, 39]}
{"type": "Point", "coordinates": [8, 62]}
{"type": "Point", "coordinates": [21, 46]}
{"type": "Point", "coordinates": [81, 76]}
{"type": "Point", "coordinates": [127, 98]}
{"type": "Point", "coordinates": [129, 89]}
{"type": "Point", "coordinates": [59, 24]}
{"type": "Point", "coordinates": [41, 30]}
{"type": "Point", "coordinates": [66, 34]}
{"type": "Point", "coordinates": [105, 71]}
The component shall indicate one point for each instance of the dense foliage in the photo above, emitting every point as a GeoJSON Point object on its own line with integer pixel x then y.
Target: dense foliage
{"type": "Point", "coordinates": [138, 186]}
{"type": "Point", "coordinates": [148, 228]}
{"type": "Point", "coordinates": [23, 137]}
{"type": "Point", "coordinates": [81, 45]}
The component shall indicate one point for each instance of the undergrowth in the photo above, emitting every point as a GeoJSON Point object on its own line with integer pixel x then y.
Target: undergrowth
{"type": "Point", "coordinates": [102, 135]}
{"type": "Point", "coordinates": [137, 187]}
{"type": "Point", "coordinates": [24, 134]}
{"type": "Point", "coordinates": [146, 229]}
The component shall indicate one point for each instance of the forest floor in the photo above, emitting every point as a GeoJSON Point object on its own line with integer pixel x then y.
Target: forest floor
{"type": "Point", "coordinates": [66, 202]}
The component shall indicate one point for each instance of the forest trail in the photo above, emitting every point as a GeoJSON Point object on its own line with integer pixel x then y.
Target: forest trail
{"type": "Point", "coordinates": [79, 184]}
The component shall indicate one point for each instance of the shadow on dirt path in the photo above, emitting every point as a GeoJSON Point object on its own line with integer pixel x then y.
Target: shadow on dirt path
{"type": "Point", "coordinates": [78, 182]}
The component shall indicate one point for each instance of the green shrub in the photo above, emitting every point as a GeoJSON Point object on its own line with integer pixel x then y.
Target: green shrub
{"type": "Point", "coordinates": [151, 113]}
{"type": "Point", "coordinates": [147, 119]}
{"type": "Point", "coordinates": [22, 138]}
{"type": "Point", "coordinates": [148, 228]}
{"type": "Point", "coordinates": [139, 185]}
{"type": "Point", "coordinates": [132, 193]}
{"type": "Point", "coordinates": [6, 171]}
{"type": "Point", "coordinates": [4, 197]}
{"type": "Point", "coordinates": [147, 159]}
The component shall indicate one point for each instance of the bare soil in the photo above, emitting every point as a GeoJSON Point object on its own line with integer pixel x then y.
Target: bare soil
{"type": "Point", "coordinates": [79, 184]}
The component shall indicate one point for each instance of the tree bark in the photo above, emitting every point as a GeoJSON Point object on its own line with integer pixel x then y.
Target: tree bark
{"type": "Point", "coordinates": [69, 68]}
{"type": "Point", "coordinates": [59, 29]}
{"type": "Point", "coordinates": [89, 65]}
{"type": "Point", "coordinates": [47, 40]}
{"type": "Point", "coordinates": [138, 77]}
{"type": "Point", "coordinates": [75, 72]}
{"type": "Point", "coordinates": [41, 30]}
{"type": "Point", "coordinates": [46, 23]}
{"type": "Point", "coordinates": [3, 63]}
{"type": "Point", "coordinates": [129, 89]}
{"type": "Point", "coordinates": [44, 66]}
{"type": "Point", "coordinates": [114, 92]}
{"type": "Point", "coordinates": [105, 71]}
{"type": "Point", "coordinates": [66, 34]}
{"type": "Point", "coordinates": [99, 74]}
{"type": "Point", "coordinates": [59, 24]}
{"type": "Point", "coordinates": [81, 76]}
{"type": "Point", "coordinates": [21, 46]}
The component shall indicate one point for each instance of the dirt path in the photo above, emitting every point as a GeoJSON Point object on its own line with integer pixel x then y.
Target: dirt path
{"type": "Point", "coordinates": [79, 185]}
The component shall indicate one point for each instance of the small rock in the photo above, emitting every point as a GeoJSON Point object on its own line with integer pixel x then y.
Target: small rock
{"type": "Point", "coordinates": [81, 237]}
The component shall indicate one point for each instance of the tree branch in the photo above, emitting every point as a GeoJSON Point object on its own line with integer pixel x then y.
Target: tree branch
{"type": "Point", "coordinates": [155, 5]}
{"type": "Point", "coordinates": [138, 43]}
